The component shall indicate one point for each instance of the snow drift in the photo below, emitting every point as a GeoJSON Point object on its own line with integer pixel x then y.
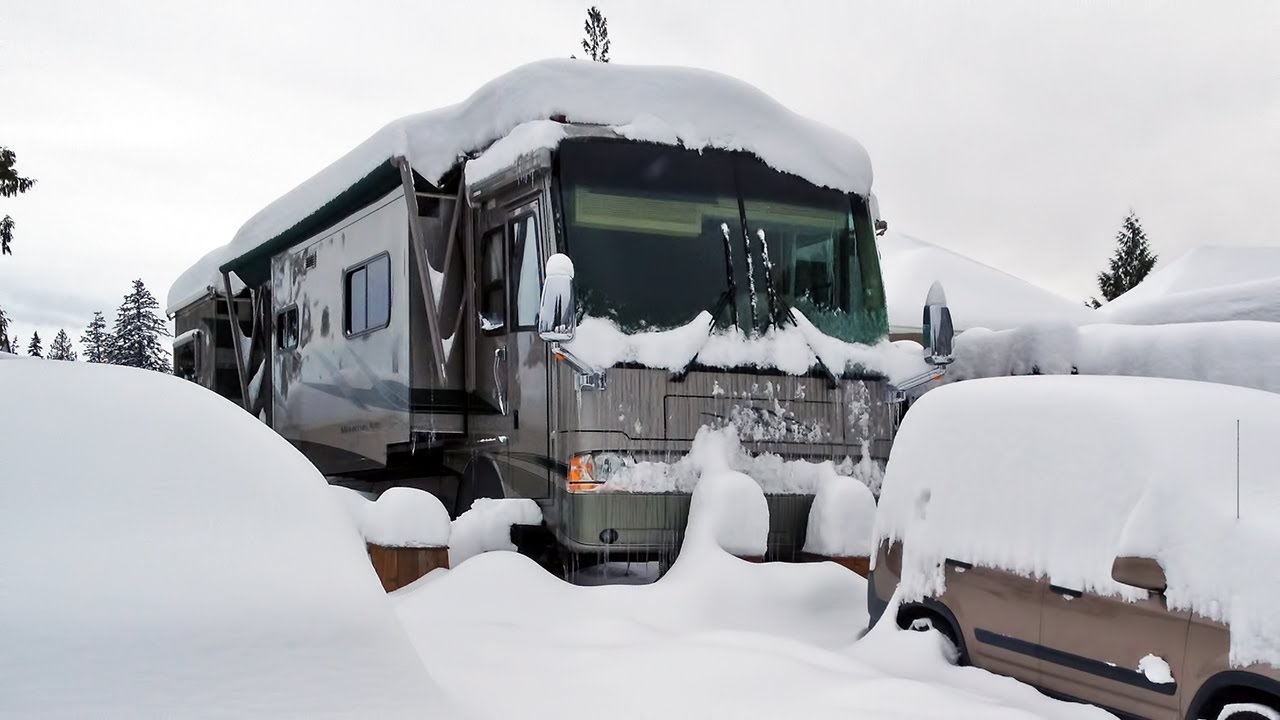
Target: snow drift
{"type": "Point", "coordinates": [693, 108]}
{"type": "Point", "coordinates": [167, 555]}
{"type": "Point", "coordinates": [980, 296]}
{"type": "Point", "coordinates": [1057, 476]}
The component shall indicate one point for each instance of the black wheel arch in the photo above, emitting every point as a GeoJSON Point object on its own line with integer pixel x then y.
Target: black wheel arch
{"type": "Point", "coordinates": [1233, 686]}
{"type": "Point", "coordinates": [931, 608]}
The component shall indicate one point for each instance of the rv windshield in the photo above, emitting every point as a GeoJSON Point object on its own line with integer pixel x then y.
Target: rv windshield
{"type": "Point", "coordinates": [657, 235]}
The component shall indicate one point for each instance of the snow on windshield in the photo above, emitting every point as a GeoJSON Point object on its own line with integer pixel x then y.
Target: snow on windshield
{"type": "Point", "coordinates": [1055, 477]}
{"type": "Point", "coordinates": [695, 108]}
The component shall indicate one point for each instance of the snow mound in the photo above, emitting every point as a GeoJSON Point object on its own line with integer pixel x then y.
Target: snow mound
{"type": "Point", "coordinates": [841, 519]}
{"type": "Point", "coordinates": [199, 280]}
{"type": "Point", "coordinates": [1156, 669]}
{"type": "Point", "coordinates": [693, 108]}
{"type": "Point", "coordinates": [1057, 476]}
{"type": "Point", "coordinates": [406, 517]}
{"type": "Point", "coordinates": [729, 510]}
{"type": "Point", "coordinates": [1255, 300]}
{"type": "Point", "coordinates": [715, 450]}
{"type": "Point", "coordinates": [793, 349]}
{"type": "Point", "coordinates": [1203, 268]}
{"type": "Point", "coordinates": [184, 560]}
{"type": "Point", "coordinates": [1232, 353]}
{"type": "Point", "coordinates": [486, 526]}
{"type": "Point", "coordinates": [979, 295]}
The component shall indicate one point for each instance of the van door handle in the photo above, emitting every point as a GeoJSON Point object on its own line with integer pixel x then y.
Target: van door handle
{"type": "Point", "coordinates": [1067, 593]}
{"type": "Point", "coordinates": [499, 378]}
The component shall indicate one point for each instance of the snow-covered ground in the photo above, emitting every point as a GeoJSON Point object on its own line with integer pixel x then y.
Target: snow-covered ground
{"type": "Point", "coordinates": [717, 637]}
{"type": "Point", "coordinates": [184, 561]}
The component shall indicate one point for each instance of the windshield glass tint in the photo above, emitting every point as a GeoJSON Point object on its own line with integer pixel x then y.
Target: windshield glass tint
{"type": "Point", "coordinates": [646, 226]}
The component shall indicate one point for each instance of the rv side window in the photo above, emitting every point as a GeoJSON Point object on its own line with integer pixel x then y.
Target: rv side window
{"type": "Point", "coordinates": [493, 282]}
{"type": "Point", "coordinates": [527, 278]}
{"type": "Point", "coordinates": [367, 289]}
{"type": "Point", "coordinates": [186, 360]}
{"type": "Point", "coordinates": [287, 329]}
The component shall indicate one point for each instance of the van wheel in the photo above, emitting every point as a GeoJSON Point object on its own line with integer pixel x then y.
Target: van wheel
{"type": "Point", "coordinates": [1248, 711]}
{"type": "Point", "coordinates": [926, 621]}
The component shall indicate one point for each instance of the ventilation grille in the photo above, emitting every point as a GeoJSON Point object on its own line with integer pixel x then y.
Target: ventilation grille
{"type": "Point", "coordinates": [309, 260]}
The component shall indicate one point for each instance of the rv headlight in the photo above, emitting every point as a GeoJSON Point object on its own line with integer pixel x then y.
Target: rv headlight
{"type": "Point", "coordinates": [582, 474]}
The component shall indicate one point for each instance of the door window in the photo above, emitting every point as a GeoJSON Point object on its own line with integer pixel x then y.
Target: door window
{"type": "Point", "coordinates": [493, 281]}
{"type": "Point", "coordinates": [527, 280]}
{"type": "Point", "coordinates": [287, 329]}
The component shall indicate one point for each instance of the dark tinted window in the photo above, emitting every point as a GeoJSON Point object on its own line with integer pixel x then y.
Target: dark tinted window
{"type": "Point", "coordinates": [493, 281]}
{"type": "Point", "coordinates": [368, 296]}
{"type": "Point", "coordinates": [287, 329]}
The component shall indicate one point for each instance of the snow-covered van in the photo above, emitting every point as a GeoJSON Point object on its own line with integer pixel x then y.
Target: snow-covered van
{"type": "Point", "coordinates": [1108, 539]}
{"type": "Point", "coordinates": [565, 276]}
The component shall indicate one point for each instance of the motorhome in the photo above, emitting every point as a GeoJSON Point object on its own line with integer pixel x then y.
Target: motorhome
{"type": "Point", "coordinates": [568, 274]}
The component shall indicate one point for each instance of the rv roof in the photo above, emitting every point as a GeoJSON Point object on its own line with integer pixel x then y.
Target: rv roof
{"type": "Point", "coordinates": [693, 108]}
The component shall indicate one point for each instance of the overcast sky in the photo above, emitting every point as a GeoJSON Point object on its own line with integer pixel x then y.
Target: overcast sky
{"type": "Point", "coordinates": [1018, 133]}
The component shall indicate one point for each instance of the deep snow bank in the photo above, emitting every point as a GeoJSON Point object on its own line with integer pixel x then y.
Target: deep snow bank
{"type": "Point", "coordinates": [1058, 476]}
{"type": "Point", "coordinates": [167, 555]}
{"type": "Point", "coordinates": [1233, 353]}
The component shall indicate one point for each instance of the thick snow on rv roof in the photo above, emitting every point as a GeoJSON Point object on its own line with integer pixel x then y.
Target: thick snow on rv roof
{"type": "Point", "coordinates": [695, 108]}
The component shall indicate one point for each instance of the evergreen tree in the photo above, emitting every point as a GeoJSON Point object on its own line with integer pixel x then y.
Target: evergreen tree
{"type": "Point", "coordinates": [138, 329]}
{"type": "Point", "coordinates": [596, 43]}
{"type": "Point", "coordinates": [34, 349]}
{"type": "Point", "coordinates": [97, 341]}
{"type": "Point", "coordinates": [1130, 264]}
{"type": "Point", "coordinates": [4, 332]}
{"type": "Point", "coordinates": [61, 348]}
{"type": "Point", "coordinates": [11, 184]}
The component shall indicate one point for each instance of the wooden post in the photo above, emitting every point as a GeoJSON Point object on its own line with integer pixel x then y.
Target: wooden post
{"type": "Point", "coordinates": [399, 566]}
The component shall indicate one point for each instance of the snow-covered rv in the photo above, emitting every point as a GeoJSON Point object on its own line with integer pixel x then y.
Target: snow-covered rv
{"type": "Point", "coordinates": [396, 318]}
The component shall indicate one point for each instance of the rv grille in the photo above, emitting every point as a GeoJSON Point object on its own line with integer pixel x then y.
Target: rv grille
{"type": "Point", "coordinates": [309, 260]}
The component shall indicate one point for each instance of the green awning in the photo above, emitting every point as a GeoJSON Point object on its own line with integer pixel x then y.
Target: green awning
{"type": "Point", "coordinates": [254, 265]}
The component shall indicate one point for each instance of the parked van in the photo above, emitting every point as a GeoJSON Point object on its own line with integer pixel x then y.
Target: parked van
{"type": "Point", "coordinates": [1105, 539]}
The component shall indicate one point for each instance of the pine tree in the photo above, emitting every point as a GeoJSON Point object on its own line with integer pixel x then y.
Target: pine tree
{"type": "Point", "coordinates": [97, 341]}
{"type": "Point", "coordinates": [1131, 263]}
{"type": "Point", "coordinates": [138, 329]}
{"type": "Point", "coordinates": [596, 43]}
{"type": "Point", "coordinates": [34, 349]}
{"type": "Point", "coordinates": [11, 184]}
{"type": "Point", "coordinates": [4, 332]}
{"type": "Point", "coordinates": [61, 348]}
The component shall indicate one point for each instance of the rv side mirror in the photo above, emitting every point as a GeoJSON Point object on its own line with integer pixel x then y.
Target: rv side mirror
{"type": "Point", "coordinates": [557, 315]}
{"type": "Point", "coordinates": [938, 332]}
{"type": "Point", "coordinates": [1139, 572]}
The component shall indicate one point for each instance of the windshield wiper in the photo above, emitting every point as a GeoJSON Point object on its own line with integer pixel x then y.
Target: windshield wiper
{"type": "Point", "coordinates": [732, 292]}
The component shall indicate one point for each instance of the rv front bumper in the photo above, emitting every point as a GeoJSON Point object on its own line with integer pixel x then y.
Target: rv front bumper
{"type": "Point", "coordinates": [651, 525]}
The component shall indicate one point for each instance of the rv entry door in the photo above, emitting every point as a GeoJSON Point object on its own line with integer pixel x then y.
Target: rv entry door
{"type": "Point", "coordinates": [511, 373]}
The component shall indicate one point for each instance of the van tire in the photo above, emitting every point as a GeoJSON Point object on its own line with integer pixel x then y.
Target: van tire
{"type": "Point", "coordinates": [1247, 711]}
{"type": "Point", "coordinates": [921, 619]}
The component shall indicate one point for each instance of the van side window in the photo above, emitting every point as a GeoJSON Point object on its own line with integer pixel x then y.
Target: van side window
{"type": "Point", "coordinates": [493, 281]}
{"type": "Point", "coordinates": [287, 328]}
{"type": "Point", "coordinates": [527, 278]}
{"type": "Point", "coordinates": [367, 290]}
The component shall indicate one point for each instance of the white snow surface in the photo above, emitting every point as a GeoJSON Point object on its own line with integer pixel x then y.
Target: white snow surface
{"type": "Point", "coordinates": [1254, 300]}
{"type": "Point", "coordinates": [715, 450]}
{"type": "Point", "coordinates": [979, 296]}
{"type": "Point", "coordinates": [716, 637]}
{"type": "Point", "coordinates": [793, 349]}
{"type": "Point", "coordinates": [199, 280]}
{"type": "Point", "coordinates": [486, 526]}
{"type": "Point", "coordinates": [695, 108]}
{"type": "Point", "coordinates": [406, 517]}
{"type": "Point", "coordinates": [728, 509]}
{"type": "Point", "coordinates": [1156, 669]}
{"type": "Point", "coordinates": [1233, 353]}
{"type": "Point", "coordinates": [183, 561]}
{"type": "Point", "coordinates": [1203, 268]}
{"type": "Point", "coordinates": [841, 519]}
{"type": "Point", "coordinates": [1058, 476]}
